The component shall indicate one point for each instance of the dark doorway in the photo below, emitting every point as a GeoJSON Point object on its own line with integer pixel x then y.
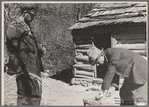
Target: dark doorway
{"type": "Point", "coordinates": [102, 41]}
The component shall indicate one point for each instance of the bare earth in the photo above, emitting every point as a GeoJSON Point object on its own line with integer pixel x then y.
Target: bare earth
{"type": "Point", "coordinates": [57, 93]}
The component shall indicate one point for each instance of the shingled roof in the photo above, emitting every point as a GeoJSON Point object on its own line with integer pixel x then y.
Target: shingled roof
{"type": "Point", "coordinates": [113, 13]}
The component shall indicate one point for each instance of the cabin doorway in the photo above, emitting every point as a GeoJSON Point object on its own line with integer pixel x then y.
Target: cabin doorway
{"type": "Point", "coordinates": [102, 41]}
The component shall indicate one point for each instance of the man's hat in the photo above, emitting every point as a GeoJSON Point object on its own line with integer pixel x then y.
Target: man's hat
{"type": "Point", "coordinates": [29, 7]}
{"type": "Point", "coordinates": [94, 53]}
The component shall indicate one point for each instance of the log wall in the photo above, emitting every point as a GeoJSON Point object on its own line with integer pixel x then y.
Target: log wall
{"type": "Point", "coordinates": [83, 72]}
{"type": "Point", "coordinates": [132, 37]}
{"type": "Point", "coordinates": [140, 48]}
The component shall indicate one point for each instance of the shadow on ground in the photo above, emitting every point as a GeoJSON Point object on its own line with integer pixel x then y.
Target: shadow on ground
{"type": "Point", "coordinates": [65, 76]}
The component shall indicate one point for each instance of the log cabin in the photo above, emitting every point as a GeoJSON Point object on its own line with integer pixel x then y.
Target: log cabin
{"type": "Point", "coordinates": [119, 25]}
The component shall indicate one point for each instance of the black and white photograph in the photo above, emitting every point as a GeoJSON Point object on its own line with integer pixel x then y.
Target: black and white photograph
{"type": "Point", "coordinates": [74, 53]}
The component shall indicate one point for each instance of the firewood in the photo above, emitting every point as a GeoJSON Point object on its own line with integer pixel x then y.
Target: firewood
{"type": "Point", "coordinates": [75, 82]}
{"type": "Point", "coordinates": [82, 58]}
{"type": "Point", "coordinates": [83, 76]}
{"type": "Point", "coordinates": [87, 46]}
{"type": "Point", "coordinates": [81, 62]}
{"type": "Point", "coordinates": [86, 67]}
{"type": "Point", "coordinates": [72, 81]}
{"type": "Point", "coordinates": [82, 51]}
{"type": "Point", "coordinates": [84, 79]}
{"type": "Point", "coordinates": [78, 62]}
{"type": "Point", "coordinates": [97, 80]}
{"type": "Point", "coordinates": [80, 72]}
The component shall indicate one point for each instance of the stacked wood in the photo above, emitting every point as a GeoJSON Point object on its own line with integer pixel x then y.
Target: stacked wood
{"type": "Point", "coordinates": [82, 73]}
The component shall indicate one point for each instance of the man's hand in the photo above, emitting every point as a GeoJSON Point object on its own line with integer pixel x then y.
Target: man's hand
{"type": "Point", "coordinates": [110, 91]}
{"type": "Point", "coordinates": [102, 94]}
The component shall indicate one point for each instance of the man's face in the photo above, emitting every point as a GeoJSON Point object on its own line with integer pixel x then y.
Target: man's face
{"type": "Point", "coordinates": [29, 17]}
{"type": "Point", "coordinates": [100, 60]}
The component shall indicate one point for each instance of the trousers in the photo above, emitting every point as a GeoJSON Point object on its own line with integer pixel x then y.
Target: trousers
{"type": "Point", "coordinates": [133, 94]}
{"type": "Point", "coordinates": [29, 91]}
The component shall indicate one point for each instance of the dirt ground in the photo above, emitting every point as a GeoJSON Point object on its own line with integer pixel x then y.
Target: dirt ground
{"type": "Point", "coordinates": [57, 93]}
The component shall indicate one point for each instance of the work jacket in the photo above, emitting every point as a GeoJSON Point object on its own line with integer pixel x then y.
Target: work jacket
{"type": "Point", "coordinates": [23, 50]}
{"type": "Point", "coordinates": [124, 62]}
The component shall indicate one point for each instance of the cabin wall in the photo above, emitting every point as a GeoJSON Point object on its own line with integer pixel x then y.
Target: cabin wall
{"type": "Point", "coordinates": [129, 36]}
{"type": "Point", "coordinates": [124, 33]}
{"type": "Point", "coordinates": [83, 72]}
{"type": "Point", "coordinates": [132, 37]}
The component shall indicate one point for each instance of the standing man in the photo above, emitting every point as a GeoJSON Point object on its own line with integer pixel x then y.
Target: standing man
{"type": "Point", "coordinates": [24, 56]}
{"type": "Point", "coordinates": [127, 64]}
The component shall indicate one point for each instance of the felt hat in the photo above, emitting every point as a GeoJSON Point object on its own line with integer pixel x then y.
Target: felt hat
{"type": "Point", "coordinates": [29, 7]}
{"type": "Point", "coordinates": [94, 53]}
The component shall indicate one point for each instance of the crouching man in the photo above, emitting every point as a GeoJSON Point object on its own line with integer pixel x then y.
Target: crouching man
{"type": "Point", "coordinates": [127, 64]}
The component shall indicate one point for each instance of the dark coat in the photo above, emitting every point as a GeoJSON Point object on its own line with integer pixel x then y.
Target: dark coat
{"type": "Point", "coordinates": [122, 62]}
{"type": "Point", "coordinates": [23, 49]}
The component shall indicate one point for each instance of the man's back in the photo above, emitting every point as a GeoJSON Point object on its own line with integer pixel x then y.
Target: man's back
{"type": "Point", "coordinates": [126, 61]}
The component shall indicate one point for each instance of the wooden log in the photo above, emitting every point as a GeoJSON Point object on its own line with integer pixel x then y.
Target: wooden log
{"type": "Point", "coordinates": [95, 71]}
{"type": "Point", "coordinates": [82, 58]}
{"type": "Point", "coordinates": [87, 46]}
{"type": "Point", "coordinates": [129, 35]}
{"type": "Point", "coordinates": [81, 72]}
{"type": "Point", "coordinates": [81, 62]}
{"type": "Point", "coordinates": [78, 62]}
{"type": "Point", "coordinates": [133, 37]}
{"type": "Point", "coordinates": [84, 79]}
{"type": "Point", "coordinates": [131, 46]}
{"type": "Point", "coordinates": [97, 80]}
{"type": "Point", "coordinates": [141, 52]}
{"type": "Point", "coordinates": [74, 82]}
{"type": "Point", "coordinates": [131, 41]}
{"type": "Point", "coordinates": [82, 51]}
{"type": "Point", "coordinates": [83, 76]}
{"type": "Point", "coordinates": [86, 67]}
{"type": "Point", "coordinates": [79, 53]}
